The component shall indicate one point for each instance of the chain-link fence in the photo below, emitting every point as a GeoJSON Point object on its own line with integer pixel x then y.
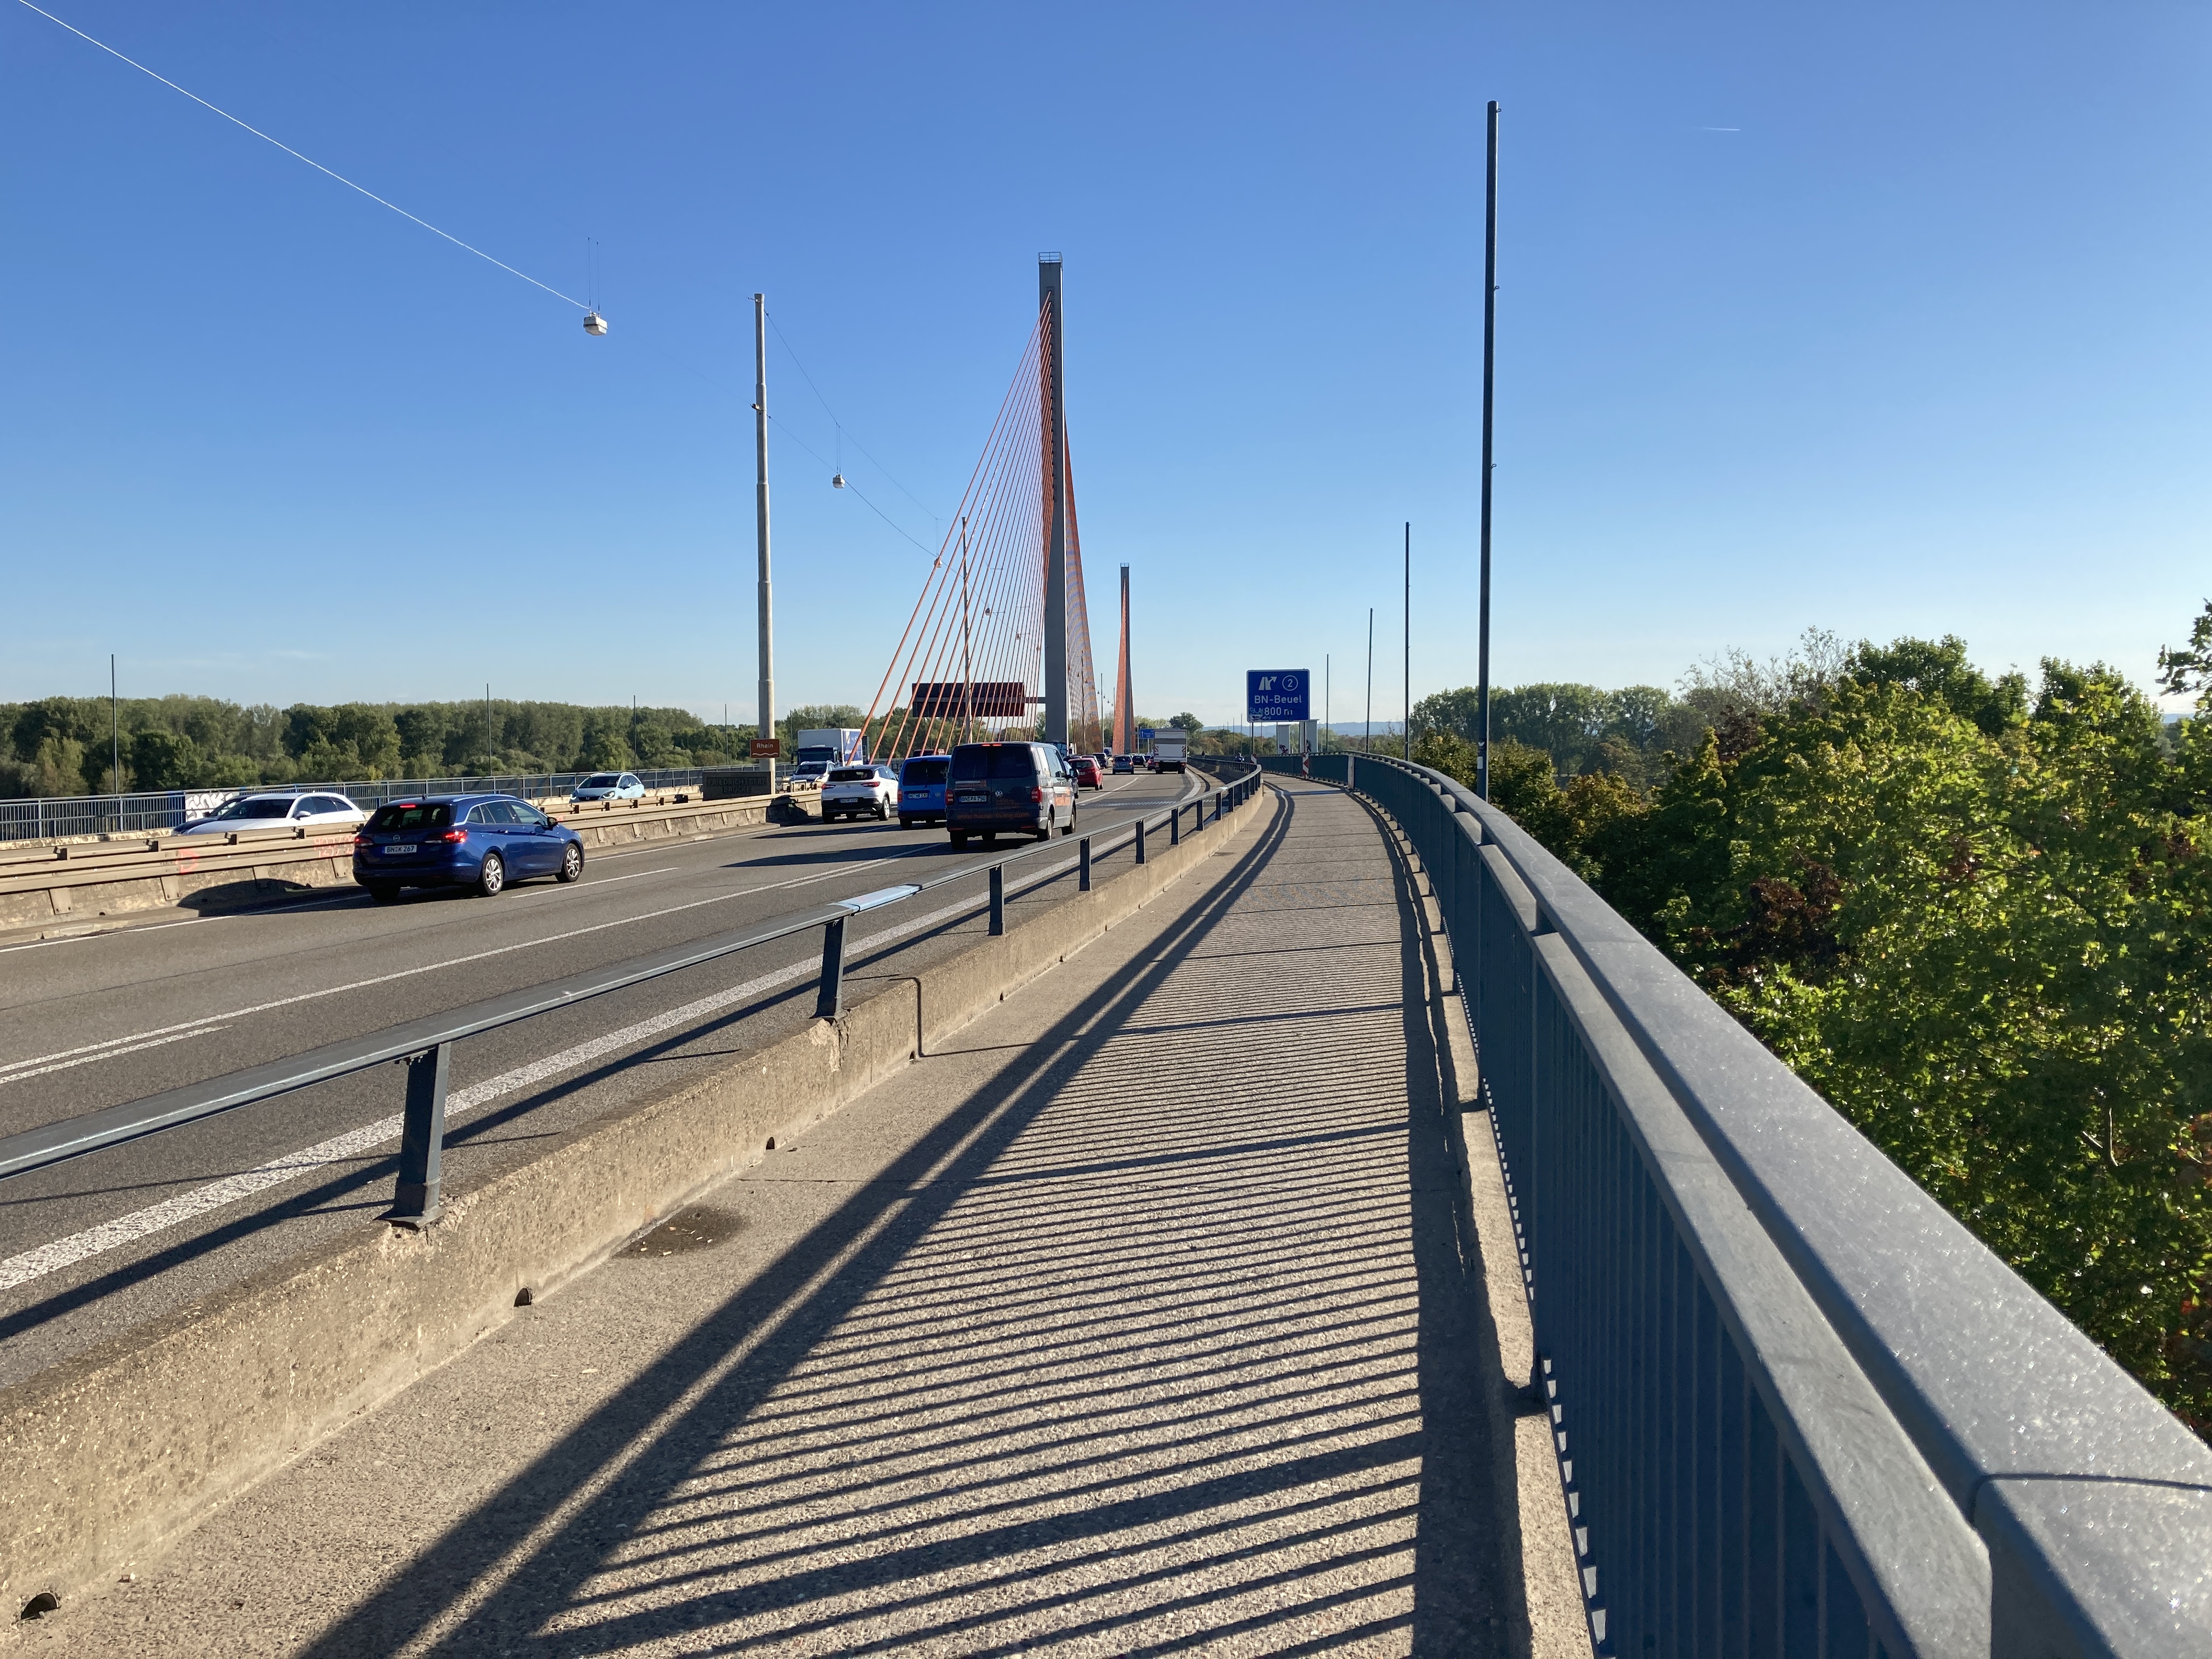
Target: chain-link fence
{"type": "Point", "coordinates": [37, 819]}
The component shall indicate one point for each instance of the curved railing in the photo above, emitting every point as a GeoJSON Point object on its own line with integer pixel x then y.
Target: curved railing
{"type": "Point", "coordinates": [1798, 1407]}
{"type": "Point", "coordinates": [426, 1043]}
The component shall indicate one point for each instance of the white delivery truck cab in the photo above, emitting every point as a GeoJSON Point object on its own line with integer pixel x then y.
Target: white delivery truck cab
{"type": "Point", "coordinates": [823, 747]}
{"type": "Point", "coordinates": [836, 745]}
{"type": "Point", "coordinates": [1169, 750]}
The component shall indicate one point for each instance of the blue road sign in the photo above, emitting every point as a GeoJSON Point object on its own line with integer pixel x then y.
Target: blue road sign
{"type": "Point", "coordinates": [1278, 694]}
{"type": "Point", "coordinates": [1145, 734]}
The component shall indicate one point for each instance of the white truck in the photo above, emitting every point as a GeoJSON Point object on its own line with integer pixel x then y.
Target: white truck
{"type": "Point", "coordinates": [822, 748]}
{"type": "Point", "coordinates": [1169, 750]}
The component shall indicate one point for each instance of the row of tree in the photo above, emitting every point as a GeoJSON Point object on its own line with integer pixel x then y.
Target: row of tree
{"type": "Point", "coordinates": [72, 745]}
{"type": "Point", "coordinates": [1975, 917]}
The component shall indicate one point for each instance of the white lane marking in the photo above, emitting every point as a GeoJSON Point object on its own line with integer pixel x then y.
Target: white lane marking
{"type": "Point", "coordinates": [87, 1059]}
{"type": "Point", "coordinates": [602, 881]}
{"type": "Point", "coordinates": [41, 943]}
{"type": "Point", "coordinates": [15, 1070]}
{"type": "Point", "coordinates": [61, 1253]}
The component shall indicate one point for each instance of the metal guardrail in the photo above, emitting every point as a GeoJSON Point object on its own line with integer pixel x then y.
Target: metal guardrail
{"type": "Point", "coordinates": [1796, 1406]}
{"type": "Point", "coordinates": [36, 818]}
{"type": "Point", "coordinates": [426, 1044]}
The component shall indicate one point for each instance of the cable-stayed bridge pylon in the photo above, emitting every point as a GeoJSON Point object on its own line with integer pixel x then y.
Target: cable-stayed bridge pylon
{"type": "Point", "coordinates": [998, 644]}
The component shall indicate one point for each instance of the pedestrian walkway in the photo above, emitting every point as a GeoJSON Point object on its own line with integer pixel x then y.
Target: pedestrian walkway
{"type": "Point", "coordinates": [1146, 1317]}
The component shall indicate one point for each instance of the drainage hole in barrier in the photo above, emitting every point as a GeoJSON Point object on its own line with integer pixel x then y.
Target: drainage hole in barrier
{"type": "Point", "coordinates": [699, 1227]}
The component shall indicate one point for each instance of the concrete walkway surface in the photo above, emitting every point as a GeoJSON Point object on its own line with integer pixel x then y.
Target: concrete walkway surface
{"type": "Point", "coordinates": [1146, 1317]}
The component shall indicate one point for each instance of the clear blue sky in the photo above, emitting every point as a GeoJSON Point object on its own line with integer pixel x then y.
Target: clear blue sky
{"type": "Point", "coordinates": [1888, 319]}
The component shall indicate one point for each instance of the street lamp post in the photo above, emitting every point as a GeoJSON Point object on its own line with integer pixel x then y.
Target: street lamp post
{"type": "Point", "coordinates": [760, 451]}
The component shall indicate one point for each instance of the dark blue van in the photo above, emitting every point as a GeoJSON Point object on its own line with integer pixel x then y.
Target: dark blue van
{"type": "Point", "coordinates": [483, 842]}
{"type": "Point", "coordinates": [1019, 788]}
{"type": "Point", "coordinates": [922, 790]}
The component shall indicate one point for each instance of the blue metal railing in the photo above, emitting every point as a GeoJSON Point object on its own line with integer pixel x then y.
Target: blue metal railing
{"type": "Point", "coordinates": [1796, 1406]}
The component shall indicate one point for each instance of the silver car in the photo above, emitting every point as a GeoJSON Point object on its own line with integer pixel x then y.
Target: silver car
{"type": "Point", "coordinates": [316, 809]}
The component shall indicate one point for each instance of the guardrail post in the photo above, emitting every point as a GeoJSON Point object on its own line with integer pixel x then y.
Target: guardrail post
{"type": "Point", "coordinates": [998, 899]}
{"type": "Point", "coordinates": [422, 1139]}
{"type": "Point", "coordinates": [1083, 864]}
{"type": "Point", "coordinates": [1141, 841]}
{"type": "Point", "coordinates": [829, 1000]}
{"type": "Point", "coordinates": [1175, 825]}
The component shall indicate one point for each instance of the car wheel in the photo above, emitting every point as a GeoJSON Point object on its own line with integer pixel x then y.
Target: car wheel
{"type": "Point", "coordinates": [990, 838]}
{"type": "Point", "coordinates": [958, 837]}
{"type": "Point", "coordinates": [1051, 822]}
{"type": "Point", "coordinates": [905, 822]}
{"type": "Point", "coordinates": [493, 877]}
{"type": "Point", "coordinates": [1071, 823]}
{"type": "Point", "coordinates": [572, 863]}
{"type": "Point", "coordinates": [384, 892]}
{"type": "Point", "coordinates": [882, 811]}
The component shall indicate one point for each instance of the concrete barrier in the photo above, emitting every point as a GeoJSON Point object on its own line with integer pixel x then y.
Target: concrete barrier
{"type": "Point", "coordinates": [47, 888]}
{"type": "Point", "coordinates": [111, 1454]}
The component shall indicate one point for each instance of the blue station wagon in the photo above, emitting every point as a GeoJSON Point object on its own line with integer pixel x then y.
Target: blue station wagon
{"type": "Point", "coordinates": [483, 842]}
{"type": "Point", "coordinates": [922, 790]}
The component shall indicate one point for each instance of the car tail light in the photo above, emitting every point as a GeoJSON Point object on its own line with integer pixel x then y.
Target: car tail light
{"type": "Point", "coordinates": [363, 841]}
{"type": "Point", "coordinates": [454, 836]}
{"type": "Point", "coordinates": [1036, 795]}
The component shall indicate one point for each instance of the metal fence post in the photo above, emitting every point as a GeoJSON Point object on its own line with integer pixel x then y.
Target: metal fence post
{"type": "Point", "coordinates": [1141, 841]}
{"type": "Point", "coordinates": [1083, 864]}
{"type": "Point", "coordinates": [998, 898]}
{"type": "Point", "coordinates": [1175, 825]}
{"type": "Point", "coordinates": [422, 1139]}
{"type": "Point", "coordinates": [829, 1000]}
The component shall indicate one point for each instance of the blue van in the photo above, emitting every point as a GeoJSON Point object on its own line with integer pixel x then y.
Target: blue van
{"type": "Point", "coordinates": [922, 790]}
{"type": "Point", "coordinates": [1023, 788]}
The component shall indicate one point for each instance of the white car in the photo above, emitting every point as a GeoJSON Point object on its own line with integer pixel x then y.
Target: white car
{"type": "Point", "coordinates": [807, 774]}
{"type": "Point", "coordinates": [609, 786]}
{"type": "Point", "coordinates": [853, 792]}
{"type": "Point", "coordinates": [314, 809]}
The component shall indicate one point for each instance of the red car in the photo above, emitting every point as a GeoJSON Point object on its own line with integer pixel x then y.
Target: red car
{"type": "Point", "coordinates": [1087, 772]}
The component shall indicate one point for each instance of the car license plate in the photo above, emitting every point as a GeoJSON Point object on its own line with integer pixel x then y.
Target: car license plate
{"type": "Point", "coordinates": [396, 851]}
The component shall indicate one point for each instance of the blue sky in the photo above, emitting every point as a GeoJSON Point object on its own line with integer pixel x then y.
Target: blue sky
{"type": "Point", "coordinates": [1886, 319]}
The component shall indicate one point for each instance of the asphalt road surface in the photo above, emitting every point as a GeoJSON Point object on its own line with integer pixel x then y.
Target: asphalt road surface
{"type": "Point", "coordinates": [92, 1247]}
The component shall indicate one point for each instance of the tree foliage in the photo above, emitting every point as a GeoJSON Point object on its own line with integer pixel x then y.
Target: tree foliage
{"type": "Point", "coordinates": [65, 745]}
{"type": "Point", "coordinates": [1981, 926]}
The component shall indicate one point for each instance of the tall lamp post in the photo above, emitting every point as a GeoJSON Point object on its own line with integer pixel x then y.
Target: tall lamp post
{"type": "Point", "coordinates": [760, 452]}
{"type": "Point", "coordinates": [1489, 361]}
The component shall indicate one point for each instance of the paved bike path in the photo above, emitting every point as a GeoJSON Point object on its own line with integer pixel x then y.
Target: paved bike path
{"type": "Point", "coordinates": [1144, 1317]}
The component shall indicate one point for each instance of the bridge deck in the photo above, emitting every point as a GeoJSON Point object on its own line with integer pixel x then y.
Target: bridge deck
{"type": "Point", "coordinates": [1146, 1317]}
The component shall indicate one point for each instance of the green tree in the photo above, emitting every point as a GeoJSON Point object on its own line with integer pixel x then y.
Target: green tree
{"type": "Point", "coordinates": [1986, 941]}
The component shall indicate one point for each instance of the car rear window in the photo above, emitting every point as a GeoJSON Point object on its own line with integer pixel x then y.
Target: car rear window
{"type": "Point", "coordinates": [924, 771]}
{"type": "Point", "coordinates": [403, 816]}
{"type": "Point", "coordinates": [853, 774]}
{"type": "Point", "coordinates": [993, 759]}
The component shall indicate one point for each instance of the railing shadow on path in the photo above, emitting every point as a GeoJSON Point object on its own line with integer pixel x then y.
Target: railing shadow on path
{"type": "Point", "coordinates": [518, 1572]}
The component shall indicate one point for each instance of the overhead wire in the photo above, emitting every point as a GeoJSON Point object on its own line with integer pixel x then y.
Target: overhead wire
{"type": "Point", "coordinates": [309, 159]}
{"type": "Point", "coordinates": [784, 428]}
{"type": "Point", "coordinates": [844, 431]}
